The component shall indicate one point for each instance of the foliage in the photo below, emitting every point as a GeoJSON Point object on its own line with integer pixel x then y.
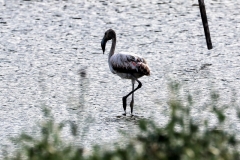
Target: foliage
{"type": "Point", "coordinates": [50, 145]}
{"type": "Point", "coordinates": [180, 139]}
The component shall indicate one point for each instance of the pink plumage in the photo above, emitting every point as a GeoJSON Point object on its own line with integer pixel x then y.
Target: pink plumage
{"type": "Point", "coordinates": [129, 64]}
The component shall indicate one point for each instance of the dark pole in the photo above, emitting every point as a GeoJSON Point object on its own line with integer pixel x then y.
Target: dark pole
{"type": "Point", "coordinates": [205, 23]}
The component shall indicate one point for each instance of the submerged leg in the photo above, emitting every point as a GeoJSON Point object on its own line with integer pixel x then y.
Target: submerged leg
{"type": "Point", "coordinates": [132, 102]}
{"type": "Point", "coordinates": [124, 99]}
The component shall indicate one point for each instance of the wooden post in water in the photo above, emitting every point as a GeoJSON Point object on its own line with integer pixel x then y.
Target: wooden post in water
{"type": "Point", "coordinates": [205, 23]}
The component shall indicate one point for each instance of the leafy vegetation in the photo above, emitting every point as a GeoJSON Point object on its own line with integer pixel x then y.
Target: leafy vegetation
{"type": "Point", "coordinates": [180, 139]}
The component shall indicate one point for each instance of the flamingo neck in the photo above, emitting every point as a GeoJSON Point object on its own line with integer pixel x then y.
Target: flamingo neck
{"type": "Point", "coordinates": [114, 39]}
{"type": "Point", "coordinates": [112, 47]}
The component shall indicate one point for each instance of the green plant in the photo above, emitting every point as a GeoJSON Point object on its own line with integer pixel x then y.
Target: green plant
{"type": "Point", "coordinates": [179, 139]}
{"type": "Point", "coordinates": [49, 146]}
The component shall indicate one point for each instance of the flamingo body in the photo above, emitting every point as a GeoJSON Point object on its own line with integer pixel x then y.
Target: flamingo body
{"type": "Point", "coordinates": [126, 65]}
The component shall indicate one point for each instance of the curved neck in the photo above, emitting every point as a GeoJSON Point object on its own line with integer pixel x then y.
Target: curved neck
{"type": "Point", "coordinates": [113, 46]}
{"type": "Point", "coordinates": [114, 41]}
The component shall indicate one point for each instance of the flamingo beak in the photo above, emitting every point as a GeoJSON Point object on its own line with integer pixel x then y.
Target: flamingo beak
{"type": "Point", "coordinates": [103, 44]}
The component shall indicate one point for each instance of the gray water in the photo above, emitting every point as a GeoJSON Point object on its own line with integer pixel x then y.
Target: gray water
{"type": "Point", "coordinates": [47, 46]}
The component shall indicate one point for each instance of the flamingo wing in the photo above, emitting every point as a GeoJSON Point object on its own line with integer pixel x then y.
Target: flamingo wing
{"type": "Point", "coordinates": [129, 63]}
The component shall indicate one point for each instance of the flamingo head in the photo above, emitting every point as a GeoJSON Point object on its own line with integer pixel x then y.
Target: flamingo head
{"type": "Point", "coordinates": [109, 34]}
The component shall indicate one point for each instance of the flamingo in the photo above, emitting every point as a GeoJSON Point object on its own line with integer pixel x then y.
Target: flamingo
{"type": "Point", "coordinates": [127, 66]}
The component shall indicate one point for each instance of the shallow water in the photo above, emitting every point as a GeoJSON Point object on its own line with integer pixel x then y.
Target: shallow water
{"type": "Point", "coordinates": [47, 46]}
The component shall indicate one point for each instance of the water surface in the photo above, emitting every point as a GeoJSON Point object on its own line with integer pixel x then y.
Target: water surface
{"type": "Point", "coordinates": [45, 46]}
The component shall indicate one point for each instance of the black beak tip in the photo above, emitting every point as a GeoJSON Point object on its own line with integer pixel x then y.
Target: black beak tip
{"type": "Point", "coordinates": [103, 49]}
{"type": "Point", "coordinates": [103, 44]}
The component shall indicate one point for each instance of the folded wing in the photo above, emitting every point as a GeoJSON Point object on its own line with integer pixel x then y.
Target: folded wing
{"type": "Point", "coordinates": [129, 63]}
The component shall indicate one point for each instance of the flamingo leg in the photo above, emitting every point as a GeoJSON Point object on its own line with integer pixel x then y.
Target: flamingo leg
{"type": "Point", "coordinates": [132, 102]}
{"type": "Point", "coordinates": [124, 99]}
